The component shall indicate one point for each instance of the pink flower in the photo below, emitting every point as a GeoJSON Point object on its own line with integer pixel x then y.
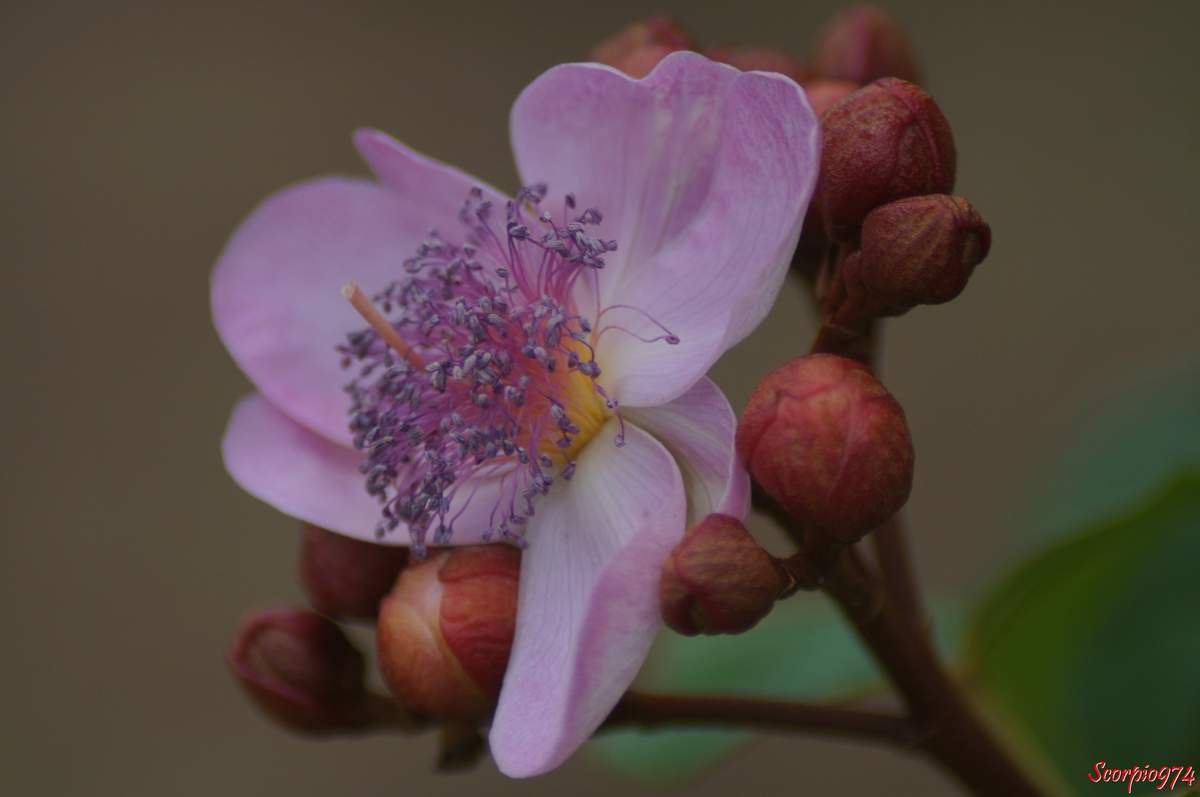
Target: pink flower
{"type": "Point", "coordinates": [544, 380]}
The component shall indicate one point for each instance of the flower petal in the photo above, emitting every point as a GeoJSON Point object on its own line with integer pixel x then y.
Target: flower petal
{"type": "Point", "coordinates": [306, 476]}
{"type": "Point", "coordinates": [704, 174]}
{"type": "Point", "coordinates": [588, 606]}
{"type": "Point", "coordinates": [299, 473]}
{"type": "Point", "coordinates": [276, 289]}
{"type": "Point", "coordinates": [698, 429]}
{"type": "Point", "coordinates": [439, 187]}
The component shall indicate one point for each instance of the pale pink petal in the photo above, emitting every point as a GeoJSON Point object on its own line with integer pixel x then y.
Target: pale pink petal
{"type": "Point", "coordinates": [276, 289]}
{"type": "Point", "coordinates": [306, 476]}
{"type": "Point", "coordinates": [703, 173]}
{"type": "Point", "coordinates": [588, 607]}
{"type": "Point", "coordinates": [438, 187]}
{"type": "Point", "coordinates": [299, 473]}
{"type": "Point", "coordinates": [698, 429]}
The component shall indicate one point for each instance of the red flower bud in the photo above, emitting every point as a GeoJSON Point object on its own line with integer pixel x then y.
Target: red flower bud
{"type": "Point", "coordinates": [718, 580]}
{"type": "Point", "coordinates": [827, 441]}
{"type": "Point", "coordinates": [637, 48]}
{"type": "Point", "coordinates": [345, 577]}
{"type": "Point", "coordinates": [885, 141]}
{"type": "Point", "coordinates": [823, 94]}
{"type": "Point", "coordinates": [301, 669]}
{"type": "Point", "coordinates": [862, 44]}
{"type": "Point", "coordinates": [919, 250]}
{"type": "Point", "coordinates": [446, 630]}
{"type": "Point", "coordinates": [761, 59]}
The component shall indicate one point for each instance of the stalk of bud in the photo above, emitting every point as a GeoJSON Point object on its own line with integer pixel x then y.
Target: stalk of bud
{"type": "Point", "coordinates": [864, 43]}
{"type": "Point", "coordinates": [301, 669]}
{"type": "Point", "coordinates": [718, 580]}
{"type": "Point", "coordinates": [637, 48]}
{"type": "Point", "coordinates": [827, 441]}
{"type": "Point", "coordinates": [446, 630]}
{"type": "Point", "coordinates": [920, 250]}
{"type": "Point", "coordinates": [886, 141]}
{"type": "Point", "coordinates": [345, 577]}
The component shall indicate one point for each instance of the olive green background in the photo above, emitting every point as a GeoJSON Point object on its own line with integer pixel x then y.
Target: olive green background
{"type": "Point", "coordinates": [134, 138]}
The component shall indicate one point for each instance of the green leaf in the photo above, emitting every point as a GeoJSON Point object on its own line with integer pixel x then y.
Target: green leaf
{"type": "Point", "coordinates": [1092, 648]}
{"type": "Point", "coordinates": [802, 650]}
{"type": "Point", "coordinates": [1120, 452]}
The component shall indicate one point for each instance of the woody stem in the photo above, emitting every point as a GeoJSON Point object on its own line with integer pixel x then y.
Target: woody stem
{"type": "Point", "coordinates": [654, 710]}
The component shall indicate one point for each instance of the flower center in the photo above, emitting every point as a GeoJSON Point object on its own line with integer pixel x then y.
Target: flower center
{"type": "Point", "coordinates": [477, 369]}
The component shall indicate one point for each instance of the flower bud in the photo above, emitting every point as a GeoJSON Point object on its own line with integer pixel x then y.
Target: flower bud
{"type": "Point", "coordinates": [446, 630]}
{"type": "Point", "coordinates": [637, 48]}
{"type": "Point", "coordinates": [919, 250]}
{"type": "Point", "coordinates": [823, 94]}
{"type": "Point", "coordinates": [760, 59]}
{"type": "Point", "coordinates": [861, 44]}
{"type": "Point", "coordinates": [827, 441]}
{"type": "Point", "coordinates": [345, 577]}
{"type": "Point", "coordinates": [718, 580]}
{"type": "Point", "coordinates": [885, 141]}
{"type": "Point", "coordinates": [301, 669]}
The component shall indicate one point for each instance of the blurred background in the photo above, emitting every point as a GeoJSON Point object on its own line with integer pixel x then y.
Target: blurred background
{"type": "Point", "coordinates": [137, 136]}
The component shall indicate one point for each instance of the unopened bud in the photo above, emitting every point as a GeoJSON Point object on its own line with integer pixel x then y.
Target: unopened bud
{"type": "Point", "coordinates": [827, 441]}
{"type": "Point", "coordinates": [823, 94]}
{"type": "Point", "coordinates": [718, 580]}
{"type": "Point", "coordinates": [637, 48]}
{"type": "Point", "coordinates": [446, 630]}
{"type": "Point", "coordinates": [345, 577]}
{"type": "Point", "coordinates": [864, 43]}
{"type": "Point", "coordinates": [919, 250]}
{"type": "Point", "coordinates": [760, 59]}
{"type": "Point", "coordinates": [301, 669]}
{"type": "Point", "coordinates": [886, 141]}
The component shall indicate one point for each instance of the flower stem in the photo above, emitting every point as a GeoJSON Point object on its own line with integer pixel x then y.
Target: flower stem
{"type": "Point", "coordinates": [952, 733]}
{"type": "Point", "coordinates": [653, 710]}
{"type": "Point", "coordinates": [886, 610]}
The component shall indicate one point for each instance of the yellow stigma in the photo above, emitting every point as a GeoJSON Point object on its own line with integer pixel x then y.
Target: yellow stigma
{"type": "Point", "coordinates": [585, 408]}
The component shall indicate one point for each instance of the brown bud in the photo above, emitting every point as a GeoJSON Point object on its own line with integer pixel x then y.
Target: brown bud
{"type": "Point", "coordinates": [637, 48]}
{"type": "Point", "coordinates": [885, 141]}
{"type": "Point", "coordinates": [446, 630]}
{"type": "Point", "coordinates": [827, 441]}
{"type": "Point", "coordinates": [301, 669]}
{"type": "Point", "coordinates": [760, 59]}
{"type": "Point", "coordinates": [864, 43]}
{"type": "Point", "coordinates": [919, 250]}
{"type": "Point", "coordinates": [345, 577]}
{"type": "Point", "coordinates": [823, 94]}
{"type": "Point", "coordinates": [718, 580]}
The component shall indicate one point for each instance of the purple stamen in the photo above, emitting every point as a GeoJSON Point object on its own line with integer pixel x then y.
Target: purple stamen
{"type": "Point", "coordinates": [476, 365]}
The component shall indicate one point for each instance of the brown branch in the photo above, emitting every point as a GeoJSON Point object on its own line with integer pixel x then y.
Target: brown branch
{"type": "Point", "coordinates": [953, 733]}
{"type": "Point", "coordinates": [656, 710]}
{"type": "Point", "coordinates": [899, 576]}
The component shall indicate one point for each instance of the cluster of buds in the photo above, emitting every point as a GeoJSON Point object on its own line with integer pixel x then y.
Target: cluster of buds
{"type": "Point", "coordinates": [444, 629]}
{"type": "Point", "coordinates": [883, 199]}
